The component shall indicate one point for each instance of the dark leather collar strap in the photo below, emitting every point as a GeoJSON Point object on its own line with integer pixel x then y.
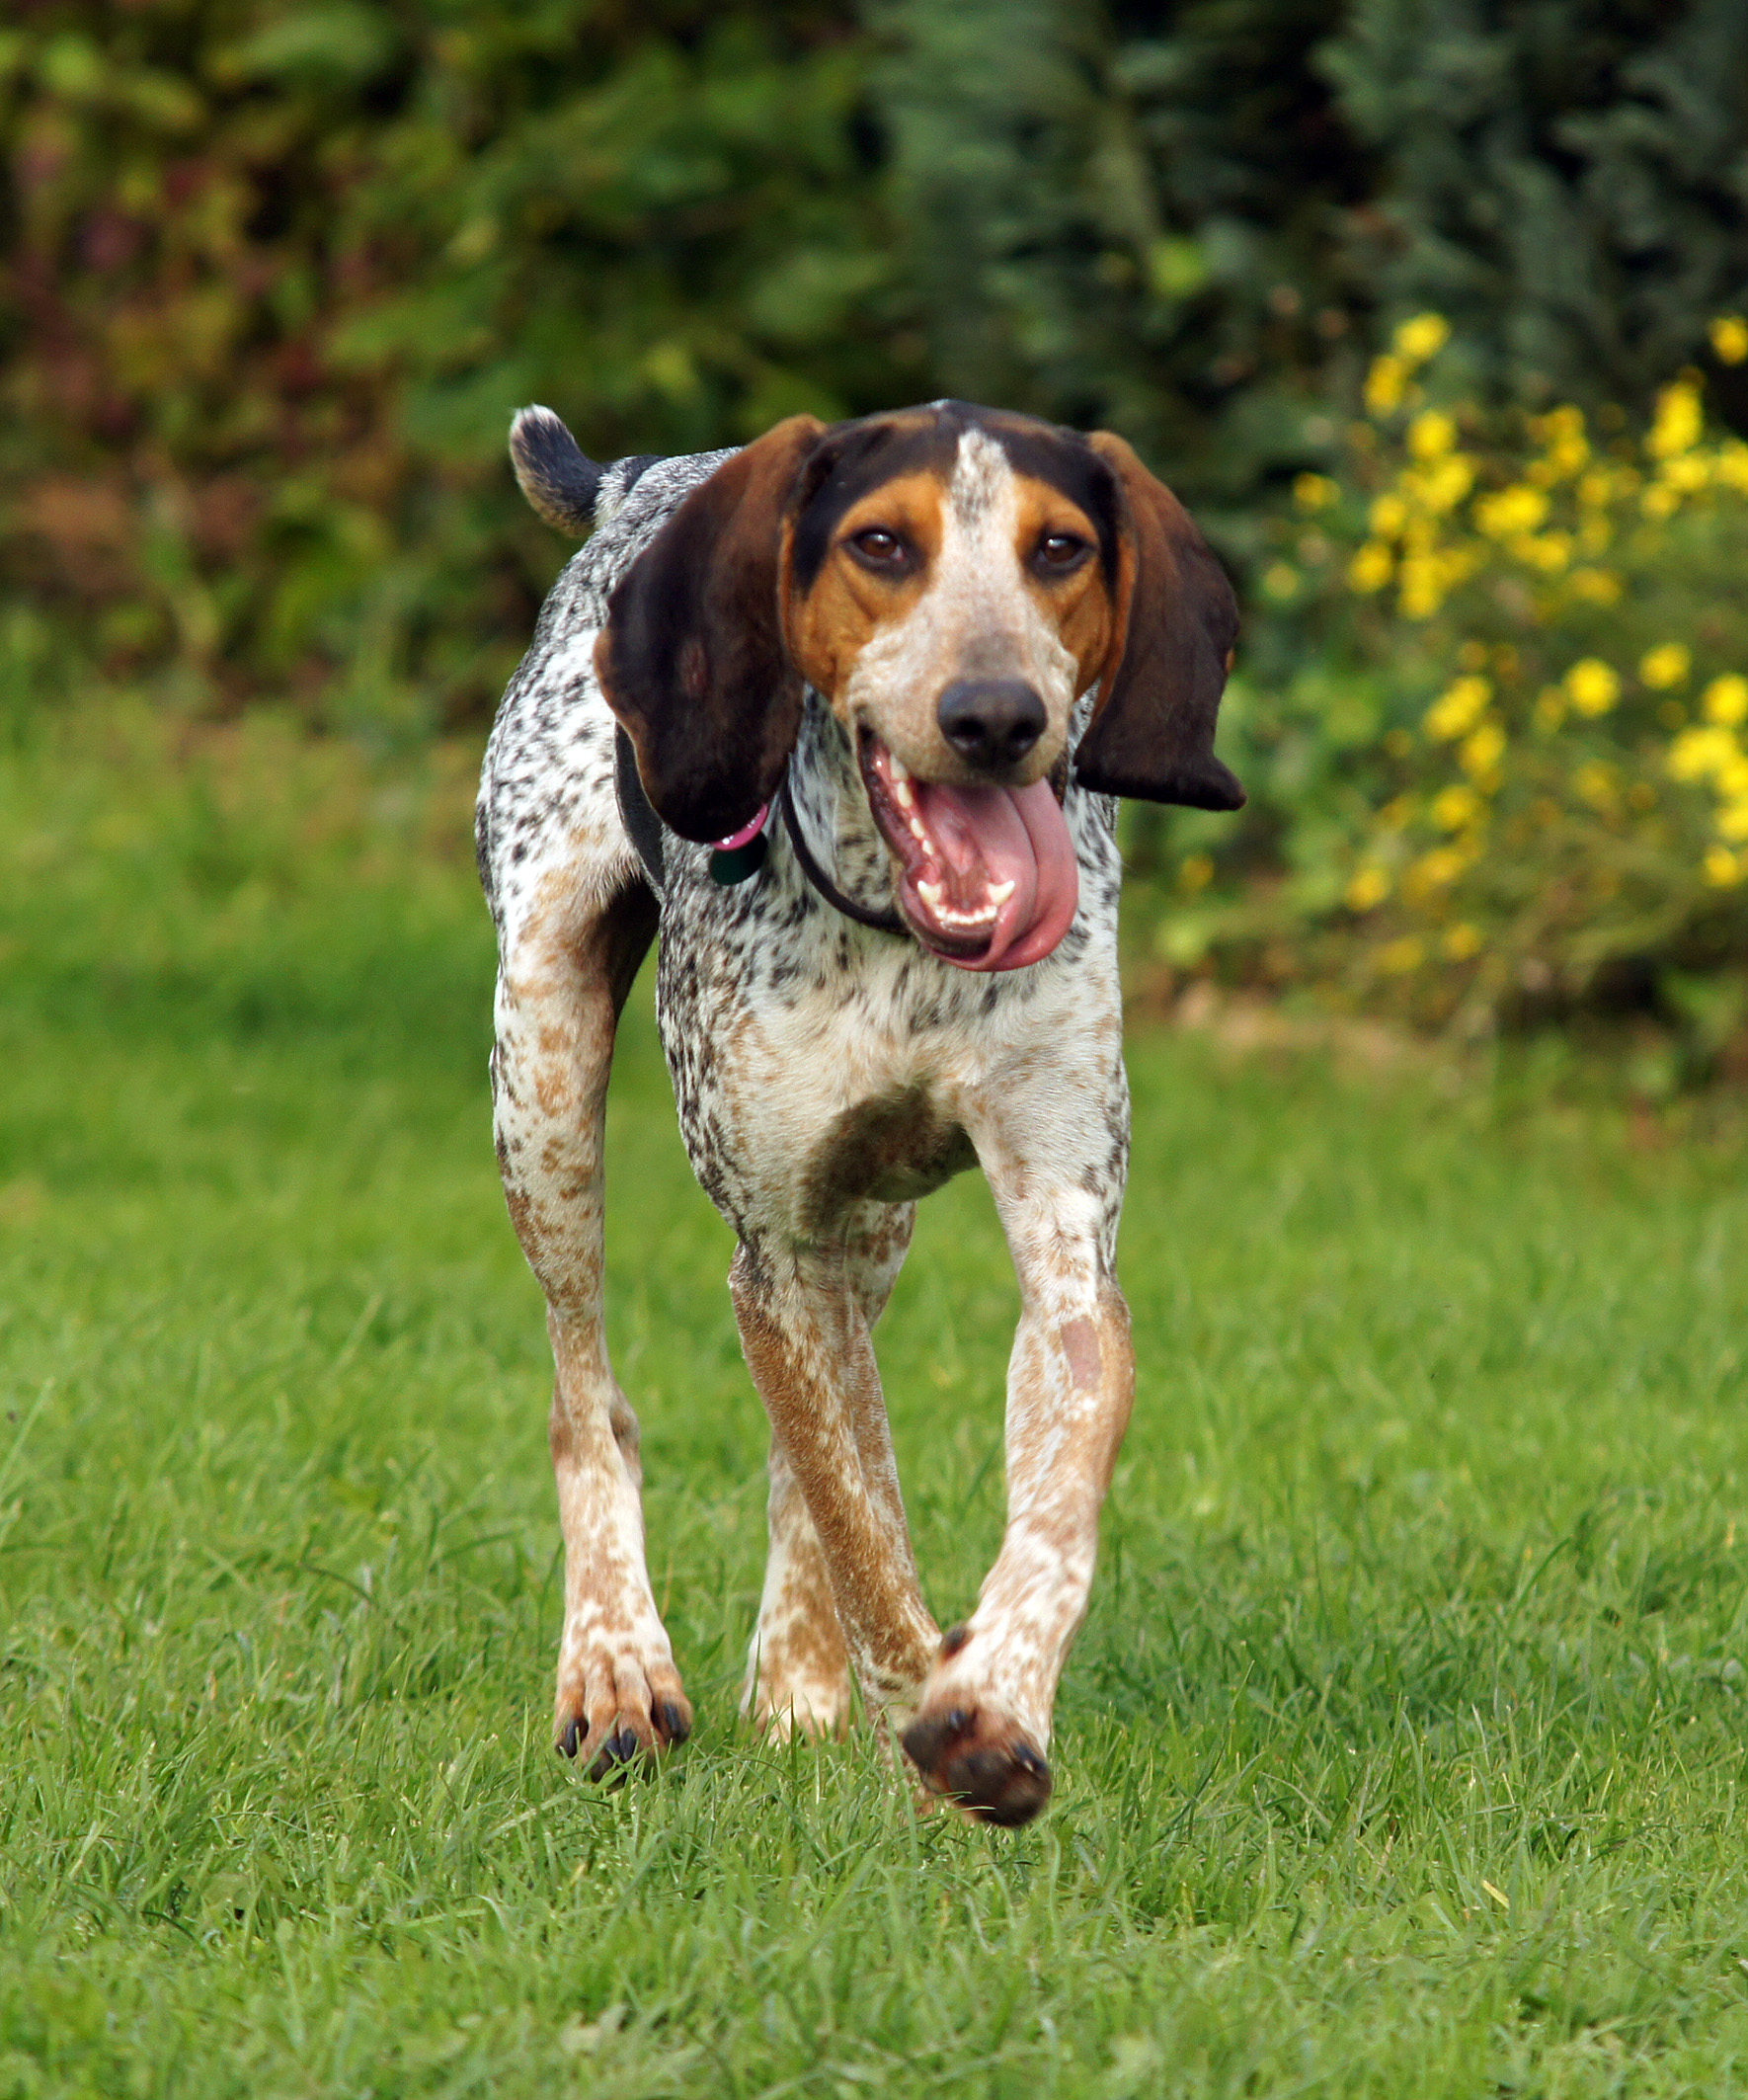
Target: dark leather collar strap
{"type": "Point", "coordinates": [642, 826]}
{"type": "Point", "coordinates": [882, 921]}
{"type": "Point", "coordinates": [645, 829]}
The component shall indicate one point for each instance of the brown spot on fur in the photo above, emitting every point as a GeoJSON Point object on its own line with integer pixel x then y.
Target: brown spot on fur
{"type": "Point", "coordinates": [895, 1149]}
{"type": "Point", "coordinates": [561, 1439]}
{"type": "Point", "coordinates": [1079, 605]}
{"type": "Point", "coordinates": [1080, 1339]}
{"type": "Point", "coordinates": [828, 626]}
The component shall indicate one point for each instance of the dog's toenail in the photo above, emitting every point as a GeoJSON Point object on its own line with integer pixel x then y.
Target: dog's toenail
{"type": "Point", "coordinates": [569, 1738]}
{"type": "Point", "coordinates": [675, 1724]}
{"type": "Point", "coordinates": [958, 1720]}
{"type": "Point", "coordinates": [954, 1638]}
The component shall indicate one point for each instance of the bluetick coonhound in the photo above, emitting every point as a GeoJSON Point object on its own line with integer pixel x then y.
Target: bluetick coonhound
{"type": "Point", "coordinates": [843, 716]}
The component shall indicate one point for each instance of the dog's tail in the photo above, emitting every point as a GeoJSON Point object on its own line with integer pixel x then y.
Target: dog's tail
{"type": "Point", "coordinates": [568, 489]}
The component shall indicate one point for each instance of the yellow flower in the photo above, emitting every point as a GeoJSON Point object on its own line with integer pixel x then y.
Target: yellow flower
{"type": "Point", "coordinates": [1423, 337]}
{"type": "Point", "coordinates": [1665, 666]}
{"type": "Point", "coordinates": [1593, 686]}
{"type": "Point", "coordinates": [1387, 517]}
{"type": "Point", "coordinates": [1729, 338]}
{"type": "Point", "coordinates": [1385, 383]}
{"type": "Point", "coordinates": [1458, 708]}
{"type": "Point", "coordinates": [1596, 785]}
{"type": "Point", "coordinates": [1549, 551]}
{"type": "Point", "coordinates": [1659, 502]}
{"type": "Point", "coordinates": [1732, 823]}
{"type": "Point", "coordinates": [1437, 869]}
{"type": "Point", "coordinates": [1732, 779]}
{"type": "Point", "coordinates": [1399, 957]}
{"type": "Point", "coordinates": [1510, 511]}
{"type": "Point", "coordinates": [1731, 466]}
{"type": "Point", "coordinates": [1549, 709]}
{"type": "Point", "coordinates": [1696, 752]}
{"type": "Point", "coordinates": [1372, 567]}
{"type": "Point", "coordinates": [1462, 941]}
{"type": "Point", "coordinates": [1431, 435]}
{"type": "Point", "coordinates": [1367, 889]}
{"type": "Point", "coordinates": [1725, 699]}
{"type": "Point", "coordinates": [1561, 430]}
{"type": "Point", "coordinates": [1723, 870]}
{"type": "Point", "coordinates": [1689, 475]}
{"type": "Point", "coordinates": [1423, 587]}
{"type": "Point", "coordinates": [1481, 752]}
{"type": "Point", "coordinates": [1601, 586]}
{"type": "Point", "coordinates": [1443, 484]}
{"type": "Point", "coordinates": [1314, 491]}
{"type": "Point", "coordinates": [1679, 421]}
{"type": "Point", "coordinates": [1195, 872]}
{"type": "Point", "coordinates": [1455, 806]}
{"type": "Point", "coordinates": [1280, 580]}
{"type": "Point", "coordinates": [1398, 813]}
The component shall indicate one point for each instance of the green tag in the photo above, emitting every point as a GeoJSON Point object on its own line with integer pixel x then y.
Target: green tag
{"type": "Point", "coordinates": [737, 863]}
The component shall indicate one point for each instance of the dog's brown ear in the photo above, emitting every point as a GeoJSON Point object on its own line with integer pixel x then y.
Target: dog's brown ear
{"type": "Point", "coordinates": [1151, 734]}
{"type": "Point", "coordinates": [692, 658]}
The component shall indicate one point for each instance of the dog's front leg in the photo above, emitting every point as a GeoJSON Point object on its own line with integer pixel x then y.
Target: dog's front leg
{"type": "Point", "coordinates": [983, 1726]}
{"type": "Point", "coordinates": [805, 1330]}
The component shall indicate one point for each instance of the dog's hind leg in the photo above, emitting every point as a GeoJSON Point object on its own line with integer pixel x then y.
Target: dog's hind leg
{"type": "Point", "coordinates": [798, 1671]}
{"type": "Point", "coordinates": [805, 1331]}
{"type": "Point", "coordinates": [567, 962]}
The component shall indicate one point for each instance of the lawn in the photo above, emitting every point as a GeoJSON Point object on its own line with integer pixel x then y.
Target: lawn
{"type": "Point", "coordinates": [1402, 1752]}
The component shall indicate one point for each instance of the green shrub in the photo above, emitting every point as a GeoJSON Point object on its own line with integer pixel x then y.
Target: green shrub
{"type": "Point", "coordinates": [1492, 718]}
{"type": "Point", "coordinates": [278, 274]}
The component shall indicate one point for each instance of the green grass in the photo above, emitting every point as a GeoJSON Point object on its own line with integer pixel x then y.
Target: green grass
{"type": "Point", "coordinates": [1403, 1750]}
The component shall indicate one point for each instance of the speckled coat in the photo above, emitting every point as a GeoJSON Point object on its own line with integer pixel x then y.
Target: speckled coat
{"type": "Point", "coordinates": [826, 1075]}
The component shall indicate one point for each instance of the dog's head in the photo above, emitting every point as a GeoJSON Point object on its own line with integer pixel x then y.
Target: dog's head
{"type": "Point", "coordinates": [951, 580]}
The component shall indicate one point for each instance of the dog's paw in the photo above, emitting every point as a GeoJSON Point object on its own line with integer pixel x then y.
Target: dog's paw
{"type": "Point", "coordinates": [611, 1712]}
{"type": "Point", "coordinates": [981, 1759]}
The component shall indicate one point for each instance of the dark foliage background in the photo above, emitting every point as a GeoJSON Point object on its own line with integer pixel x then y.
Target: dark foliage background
{"type": "Point", "coordinates": [276, 273]}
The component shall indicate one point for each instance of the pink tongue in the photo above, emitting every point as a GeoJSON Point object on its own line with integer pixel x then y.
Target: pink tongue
{"type": "Point", "coordinates": [987, 836]}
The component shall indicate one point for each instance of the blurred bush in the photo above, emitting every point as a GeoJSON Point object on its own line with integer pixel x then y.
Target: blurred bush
{"type": "Point", "coordinates": [278, 274]}
{"type": "Point", "coordinates": [276, 271]}
{"type": "Point", "coordinates": [1493, 717]}
{"type": "Point", "coordinates": [1193, 221]}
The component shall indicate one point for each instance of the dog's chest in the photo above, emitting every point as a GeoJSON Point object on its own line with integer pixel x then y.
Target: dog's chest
{"type": "Point", "coordinates": [800, 1095]}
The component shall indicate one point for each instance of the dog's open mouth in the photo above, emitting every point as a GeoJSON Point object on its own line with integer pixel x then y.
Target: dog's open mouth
{"type": "Point", "coordinates": [988, 875]}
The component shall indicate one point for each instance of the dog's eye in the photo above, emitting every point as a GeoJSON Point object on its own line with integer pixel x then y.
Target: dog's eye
{"type": "Point", "coordinates": [1059, 552]}
{"type": "Point", "coordinates": [880, 549]}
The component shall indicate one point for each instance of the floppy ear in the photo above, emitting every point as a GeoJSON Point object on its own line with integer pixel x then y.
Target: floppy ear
{"type": "Point", "coordinates": [1151, 734]}
{"type": "Point", "coordinates": [692, 657]}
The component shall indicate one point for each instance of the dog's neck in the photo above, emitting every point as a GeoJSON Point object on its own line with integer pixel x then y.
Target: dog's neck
{"type": "Point", "coordinates": [831, 807]}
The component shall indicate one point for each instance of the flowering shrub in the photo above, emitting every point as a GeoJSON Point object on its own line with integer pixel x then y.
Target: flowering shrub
{"type": "Point", "coordinates": [1495, 712]}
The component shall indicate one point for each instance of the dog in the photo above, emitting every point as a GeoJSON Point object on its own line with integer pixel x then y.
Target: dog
{"type": "Point", "coordinates": [844, 713]}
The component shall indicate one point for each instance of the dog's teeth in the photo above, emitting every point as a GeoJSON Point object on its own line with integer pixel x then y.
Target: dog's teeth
{"type": "Point", "coordinates": [1000, 893]}
{"type": "Point", "coordinates": [930, 893]}
{"type": "Point", "coordinates": [901, 788]}
{"type": "Point", "coordinates": [900, 771]}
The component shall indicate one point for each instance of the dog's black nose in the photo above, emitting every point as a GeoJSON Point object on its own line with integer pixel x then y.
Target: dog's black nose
{"type": "Point", "coordinates": [991, 722]}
